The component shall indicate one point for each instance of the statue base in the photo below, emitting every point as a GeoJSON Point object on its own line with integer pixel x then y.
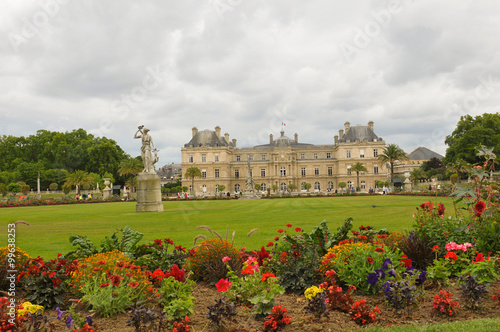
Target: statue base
{"type": "Point", "coordinates": [249, 195]}
{"type": "Point", "coordinates": [148, 193]}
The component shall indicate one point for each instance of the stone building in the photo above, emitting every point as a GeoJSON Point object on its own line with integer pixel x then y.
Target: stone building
{"type": "Point", "coordinates": [284, 161]}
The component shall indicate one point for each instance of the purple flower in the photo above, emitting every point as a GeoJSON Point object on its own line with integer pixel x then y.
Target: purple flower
{"type": "Point", "coordinates": [372, 279]}
{"type": "Point", "coordinates": [69, 321]}
{"type": "Point", "coordinates": [391, 273]}
{"type": "Point", "coordinates": [386, 264]}
{"type": "Point", "coordinates": [89, 320]}
{"type": "Point", "coordinates": [380, 273]}
{"type": "Point", "coordinates": [59, 313]}
{"type": "Point", "coordinates": [421, 278]}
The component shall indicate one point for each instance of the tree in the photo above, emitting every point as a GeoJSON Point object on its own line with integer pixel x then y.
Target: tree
{"type": "Point", "coordinates": [292, 186]}
{"type": "Point", "coordinates": [132, 167]}
{"type": "Point", "coordinates": [470, 133]}
{"type": "Point", "coordinates": [358, 167]}
{"type": "Point", "coordinates": [307, 186]}
{"type": "Point", "coordinates": [458, 166]}
{"type": "Point", "coordinates": [193, 172]}
{"type": "Point", "coordinates": [14, 187]}
{"type": "Point", "coordinates": [53, 186]}
{"type": "Point", "coordinates": [258, 187]}
{"type": "Point", "coordinates": [3, 189]}
{"type": "Point", "coordinates": [391, 154]}
{"type": "Point", "coordinates": [221, 188]}
{"type": "Point", "coordinates": [274, 187]}
{"type": "Point", "coordinates": [79, 178]}
{"type": "Point", "coordinates": [417, 174]}
{"type": "Point", "coordinates": [342, 185]}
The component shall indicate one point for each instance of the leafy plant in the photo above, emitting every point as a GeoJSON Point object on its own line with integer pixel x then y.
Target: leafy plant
{"type": "Point", "coordinates": [176, 298]}
{"type": "Point", "coordinates": [317, 305]}
{"type": "Point", "coordinates": [417, 247]}
{"type": "Point", "coordinates": [11, 260]}
{"type": "Point", "coordinates": [496, 297]}
{"type": "Point", "coordinates": [443, 304]}
{"type": "Point", "coordinates": [402, 294]}
{"type": "Point", "coordinates": [156, 256]}
{"type": "Point", "coordinates": [485, 269]}
{"type": "Point", "coordinates": [472, 292]}
{"type": "Point", "coordinates": [362, 314]}
{"type": "Point", "coordinates": [277, 320]}
{"type": "Point", "coordinates": [145, 319]}
{"type": "Point", "coordinates": [126, 244]}
{"type": "Point", "coordinates": [220, 310]}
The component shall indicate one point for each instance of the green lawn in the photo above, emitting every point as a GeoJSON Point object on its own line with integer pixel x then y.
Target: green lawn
{"type": "Point", "coordinates": [51, 226]}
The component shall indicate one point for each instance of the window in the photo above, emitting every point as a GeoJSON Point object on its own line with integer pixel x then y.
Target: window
{"type": "Point", "coordinates": [263, 172]}
{"type": "Point", "coordinates": [302, 156]}
{"type": "Point", "coordinates": [361, 153]}
{"type": "Point", "coordinates": [375, 152]}
{"type": "Point", "coordinates": [330, 185]}
{"type": "Point", "coordinates": [363, 184]}
{"type": "Point", "coordinates": [315, 156]}
{"type": "Point", "coordinates": [216, 188]}
{"type": "Point", "coordinates": [330, 170]}
{"type": "Point", "coordinates": [238, 158]}
{"type": "Point", "coordinates": [348, 170]}
{"type": "Point", "coordinates": [203, 158]}
{"type": "Point", "coordinates": [236, 173]}
{"type": "Point", "coordinates": [216, 172]}
{"type": "Point", "coordinates": [250, 157]}
{"type": "Point", "coordinates": [263, 187]}
{"type": "Point", "coordinates": [303, 171]}
{"type": "Point", "coordinates": [190, 158]}
{"type": "Point", "coordinates": [348, 154]}
{"type": "Point", "coordinates": [190, 187]}
{"type": "Point", "coordinates": [263, 157]}
{"type": "Point", "coordinates": [283, 186]}
{"type": "Point", "coordinates": [204, 188]}
{"type": "Point", "coordinates": [204, 174]}
{"type": "Point", "coordinates": [251, 172]}
{"type": "Point", "coordinates": [349, 184]}
{"type": "Point", "coordinates": [317, 186]}
{"type": "Point", "coordinates": [283, 171]}
{"type": "Point", "coordinates": [237, 188]}
{"type": "Point", "coordinates": [316, 171]}
{"type": "Point", "coordinates": [303, 186]}
{"type": "Point", "coordinates": [375, 169]}
{"type": "Point", "coordinates": [216, 157]}
{"type": "Point", "coordinates": [328, 155]}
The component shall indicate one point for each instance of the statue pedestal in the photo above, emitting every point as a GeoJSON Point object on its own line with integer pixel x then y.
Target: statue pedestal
{"type": "Point", "coordinates": [248, 195]}
{"type": "Point", "coordinates": [148, 193]}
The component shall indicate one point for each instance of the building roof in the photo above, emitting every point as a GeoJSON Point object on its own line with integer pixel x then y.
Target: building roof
{"type": "Point", "coordinates": [283, 141]}
{"type": "Point", "coordinates": [359, 133]}
{"type": "Point", "coordinates": [207, 138]}
{"type": "Point", "coordinates": [422, 153]}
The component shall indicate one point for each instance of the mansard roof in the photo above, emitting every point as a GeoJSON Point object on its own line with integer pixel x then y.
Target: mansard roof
{"type": "Point", "coordinates": [422, 153]}
{"type": "Point", "coordinates": [207, 138]}
{"type": "Point", "coordinates": [283, 141]}
{"type": "Point", "coordinates": [359, 133]}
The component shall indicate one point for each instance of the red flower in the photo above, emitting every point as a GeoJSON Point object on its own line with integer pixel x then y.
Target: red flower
{"type": "Point", "coordinates": [52, 274]}
{"type": "Point", "coordinates": [270, 244]}
{"type": "Point", "coordinates": [104, 285]}
{"type": "Point", "coordinates": [133, 284]}
{"type": "Point", "coordinates": [479, 258]}
{"type": "Point", "coordinates": [406, 261]}
{"type": "Point", "coordinates": [355, 233]}
{"type": "Point", "coordinates": [379, 250]}
{"type": "Point", "coordinates": [223, 285]}
{"type": "Point", "coordinates": [288, 225]}
{"type": "Point", "coordinates": [451, 255]}
{"type": "Point", "coordinates": [101, 262]}
{"type": "Point", "coordinates": [120, 264]}
{"type": "Point", "coordinates": [115, 280]}
{"type": "Point", "coordinates": [479, 208]}
{"type": "Point", "coordinates": [330, 273]}
{"type": "Point", "coordinates": [158, 242]}
{"type": "Point", "coordinates": [297, 229]}
{"type": "Point", "coordinates": [181, 248]}
{"type": "Point", "coordinates": [96, 269]}
{"type": "Point", "coordinates": [276, 238]}
{"type": "Point", "coordinates": [280, 230]}
{"type": "Point", "coordinates": [168, 241]}
{"type": "Point", "coordinates": [382, 236]}
{"type": "Point", "coordinates": [435, 248]}
{"type": "Point", "coordinates": [248, 270]}
{"type": "Point", "coordinates": [295, 254]}
{"type": "Point", "coordinates": [440, 209]}
{"type": "Point", "coordinates": [268, 275]}
{"type": "Point", "coordinates": [370, 260]}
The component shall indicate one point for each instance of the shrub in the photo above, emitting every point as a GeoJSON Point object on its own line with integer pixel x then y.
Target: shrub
{"type": "Point", "coordinates": [206, 260]}
{"type": "Point", "coordinates": [472, 293]}
{"type": "Point", "coordinates": [156, 256]}
{"type": "Point", "coordinates": [362, 314]}
{"type": "Point", "coordinates": [14, 261]}
{"type": "Point", "coordinates": [176, 298]}
{"type": "Point", "coordinates": [496, 297]}
{"type": "Point", "coordinates": [417, 247]}
{"type": "Point", "coordinates": [220, 310]}
{"type": "Point", "coordinates": [53, 186]}
{"type": "Point", "coordinates": [317, 303]}
{"type": "Point", "coordinates": [485, 269]}
{"type": "Point", "coordinates": [277, 320]}
{"type": "Point", "coordinates": [444, 305]}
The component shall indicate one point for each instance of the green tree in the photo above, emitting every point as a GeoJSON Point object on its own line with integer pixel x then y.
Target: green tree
{"type": "Point", "coordinates": [292, 186]}
{"type": "Point", "coordinates": [307, 186]}
{"type": "Point", "coordinates": [131, 167]}
{"type": "Point", "coordinates": [221, 188]}
{"type": "Point", "coordinates": [78, 179]}
{"type": "Point", "coordinates": [191, 173]}
{"type": "Point", "coordinates": [391, 154]}
{"type": "Point", "coordinates": [458, 166]}
{"type": "Point", "coordinates": [470, 133]}
{"type": "Point", "coordinates": [3, 189]}
{"type": "Point", "coordinates": [53, 186]}
{"type": "Point", "coordinates": [274, 187]}
{"type": "Point", "coordinates": [342, 185]}
{"type": "Point", "coordinates": [358, 167]}
{"type": "Point", "coordinates": [417, 174]}
{"type": "Point", "coordinates": [14, 187]}
{"type": "Point", "coordinates": [258, 187]}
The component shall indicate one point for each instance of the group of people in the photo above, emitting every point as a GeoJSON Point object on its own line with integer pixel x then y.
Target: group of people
{"type": "Point", "coordinates": [83, 196]}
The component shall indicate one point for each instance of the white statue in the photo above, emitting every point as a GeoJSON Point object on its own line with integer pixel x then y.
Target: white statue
{"type": "Point", "coordinates": [147, 150]}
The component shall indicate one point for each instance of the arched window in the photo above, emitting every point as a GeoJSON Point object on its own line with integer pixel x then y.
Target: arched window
{"type": "Point", "coordinates": [349, 184]}
{"type": "Point", "coordinates": [317, 186]}
{"type": "Point", "coordinates": [263, 187]}
{"type": "Point", "coordinates": [283, 186]}
{"type": "Point", "coordinates": [303, 186]}
{"type": "Point", "coordinates": [216, 188]}
{"type": "Point", "coordinates": [330, 185]}
{"type": "Point", "coordinates": [237, 188]}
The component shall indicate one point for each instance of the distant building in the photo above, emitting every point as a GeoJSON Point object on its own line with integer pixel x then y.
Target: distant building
{"type": "Point", "coordinates": [284, 161]}
{"type": "Point", "coordinates": [415, 159]}
{"type": "Point", "coordinates": [169, 173]}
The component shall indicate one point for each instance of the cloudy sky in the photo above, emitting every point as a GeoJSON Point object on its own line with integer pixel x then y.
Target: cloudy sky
{"type": "Point", "coordinates": [412, 67]}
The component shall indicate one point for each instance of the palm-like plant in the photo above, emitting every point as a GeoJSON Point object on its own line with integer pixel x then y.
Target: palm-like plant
{"type": "Point", "coordinates": [358, 167]}
{"type": "Point", "coordinates": [417, 174]}
{"type": "Point", "coordinates": [458, 166]}
{"type": "Point", "coordinates": [132, 167]}
{"type": "Point", "coordinates": [391, 154]}
{"type": "Point", "coordinates": [193, 172]}
{"type": "Point", "coordinates": [78, 179]}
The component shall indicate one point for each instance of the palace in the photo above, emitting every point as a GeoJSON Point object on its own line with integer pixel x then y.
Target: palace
{"type": "Point", "coordinates": [284, 161]}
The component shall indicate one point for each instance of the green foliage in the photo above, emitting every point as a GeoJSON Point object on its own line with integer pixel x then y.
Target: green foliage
{"type": "Point", "coordinates": [127, 244]}
{"type": "Point", "coordinates": [342, 184]}
{"type": "Point", "coordinates": [417, 247]}
{"type": "Point", "coordinates": [391, 154]}
{"type": "Point", "coordinates": [472, 292]}
{"type": "Point", "coordinates": [14, 187]}
{"type": "Point", "coordinates": [156, 256]}
{"type": "Point", "coordinates": [485, 270]}
{"type": "Point", "coordinates": [53, 186]}
{"type": "Point", "coordinates": [3, 189]}
{"type": "Point", "coordinates": [176, 298]}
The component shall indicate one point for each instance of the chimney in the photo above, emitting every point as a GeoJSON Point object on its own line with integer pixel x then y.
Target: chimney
{"type": "Point", "coordinates": [370, 124]}
{"type": "Point", "coordinates": [296, 138]}
{"type": "Point", "coordinates": [234, 142]}
{"type": "Point", "coordinates": [347, 126]}
{"type": "Point", "coordinates": [226, 137]}
{"type": "Point", "coordinates": [341, 133]}
{"type": "Point", "coordinates": [336, 138]}
{"type": "Point", "coordinates": [270, 138]}
{"type": "Point", "coordinates": [195, 131]}
{"type": "Point", "coordinates": [217, 131]}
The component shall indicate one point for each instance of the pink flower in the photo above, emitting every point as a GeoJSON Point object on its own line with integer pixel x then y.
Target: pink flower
{"type": "Point", "coordinates": [223, 285]}
{"type": "Point", "coordinates": [479, 208]}
{"type": "Point", "coordinates": [225, 259]}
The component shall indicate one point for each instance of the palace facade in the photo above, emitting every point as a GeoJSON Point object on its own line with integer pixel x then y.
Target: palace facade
{"type": "Point", "coordinates": [284, 161]}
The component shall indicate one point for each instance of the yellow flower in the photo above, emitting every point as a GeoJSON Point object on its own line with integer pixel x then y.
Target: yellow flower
{"type": "Point", "coordinates": [31, 308]}
{"type": "Point", "coordinates": [312, 291]}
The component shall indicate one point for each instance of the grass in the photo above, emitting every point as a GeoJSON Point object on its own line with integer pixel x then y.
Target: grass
{"type": "Point", "coordinates": [477, 325]}
{"type": "Point", "coordinates": [51, 226]}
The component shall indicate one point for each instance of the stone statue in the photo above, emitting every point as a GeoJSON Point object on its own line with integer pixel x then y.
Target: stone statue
{"type": "Point", "coordinates": [147, 150]}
